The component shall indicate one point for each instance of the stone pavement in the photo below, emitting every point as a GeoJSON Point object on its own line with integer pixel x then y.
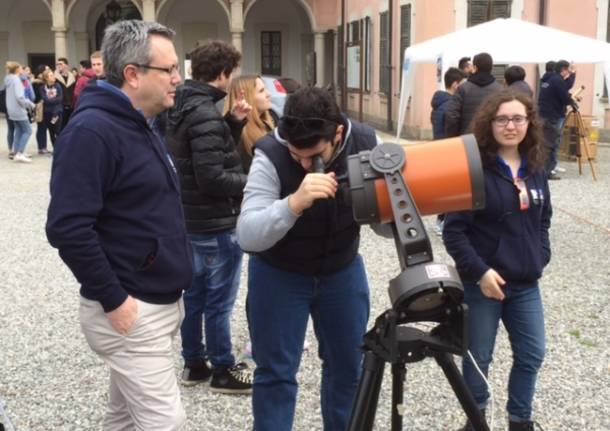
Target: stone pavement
{"type": "Point", "coordinates": [50, 380]}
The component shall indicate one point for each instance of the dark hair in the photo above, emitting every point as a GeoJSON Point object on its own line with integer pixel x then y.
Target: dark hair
{"type": "Point", "coordinates": [483, 62]}
{"type": "Point", "coordinates": [212, 58]}
{"type": "Point", "coordinates": [532, 146]}
{"type": "Point", "coordinates": [560, 65]}
{"type": "Point", "coordinates": [463, 62]}
{"type": "Point", "coordinates": [452, 75]}
{"type": "Point", "coordinates": [85, 63]}
{"type": "Point", "coordinates": [40, 68]}
{"type": "Point", "coordinates": [63, 60]}
{"type": "Point", "coordinates": [514, 74]}
{"type": "Point", "coordinates": [550, 66]}
{"type": "Point", "coordinates": [311, 103]}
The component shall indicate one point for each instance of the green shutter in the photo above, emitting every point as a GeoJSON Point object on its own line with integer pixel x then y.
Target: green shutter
{"type": "Point", "coordinates": [384, 53]}
{"type": "Point", "coordinates": [405, 32]}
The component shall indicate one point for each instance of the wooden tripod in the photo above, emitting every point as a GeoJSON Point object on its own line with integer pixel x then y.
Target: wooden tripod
{"type": "Point", "coordinates": [583, 141]}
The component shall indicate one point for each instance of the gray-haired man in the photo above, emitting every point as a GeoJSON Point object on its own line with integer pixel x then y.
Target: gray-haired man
{"type": "Point", "coordinates": [116, 218]}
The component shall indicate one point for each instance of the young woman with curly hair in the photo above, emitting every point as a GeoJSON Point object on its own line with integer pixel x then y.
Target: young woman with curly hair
{"type": "Point", "coordinates": [501, 250]}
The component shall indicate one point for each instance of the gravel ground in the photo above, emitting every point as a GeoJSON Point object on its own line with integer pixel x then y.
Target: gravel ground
{"type": "Point", "coordinates": [50, 380]}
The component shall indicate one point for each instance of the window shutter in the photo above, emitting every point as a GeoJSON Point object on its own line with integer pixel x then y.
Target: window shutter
{"type": "Point", "coordinates": [384, 57]}
{"type": "Point", "coordinates": [405, 32]}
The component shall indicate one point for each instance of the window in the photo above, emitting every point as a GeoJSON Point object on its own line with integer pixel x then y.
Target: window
{"type": "Point", "coordinates": [368, 48]}
{"type": "Point", "coordinates": [384, 52]}
{"type": "Point", "coordinates": [480, 11]}
{"type": "Point", "coordinates": [359, 50]}
{"type": "Point", "coordinates": [405, 32]}
{"type": "Point", "coordinates": [271, 53]}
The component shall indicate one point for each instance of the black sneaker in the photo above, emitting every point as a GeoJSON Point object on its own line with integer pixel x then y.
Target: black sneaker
{"type": "Point", "coordinates": [195, 372]}
{"type": "Point", "coordinates": [232, 380]}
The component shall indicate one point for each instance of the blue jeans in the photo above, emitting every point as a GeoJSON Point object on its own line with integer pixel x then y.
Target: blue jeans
{"type": "Point", "coordinates": [279, 305]}
{"type": "Point", "coordinates": [552, 138]}
{"type": "Point", "coordinates": [10, 133]}
{"type": "Point", "coordinates": [41, 135]}
{"type": "Point", "coordinates": [523, 317]}
{"type": "Point", "coordinates": [217, 267]}
{"type": "Point", "coordinates": [23, 131]}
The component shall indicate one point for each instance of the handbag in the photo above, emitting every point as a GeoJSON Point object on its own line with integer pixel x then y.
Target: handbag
{"type": "Point", "coordinates": [38, 112]}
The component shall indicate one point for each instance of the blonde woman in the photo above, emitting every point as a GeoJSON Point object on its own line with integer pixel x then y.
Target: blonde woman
{"type": "Point", "coordinates": [251, 89]}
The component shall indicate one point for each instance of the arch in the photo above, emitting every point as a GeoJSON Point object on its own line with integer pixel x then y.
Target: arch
{"type": "Point", "coordinates": [304, 5]}
{"type": "Point", "coordinates": [222, 4]}
{"type": "Point", "coordinates": [74, 2]}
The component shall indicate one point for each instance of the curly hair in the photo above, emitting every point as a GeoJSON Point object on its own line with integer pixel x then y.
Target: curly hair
{"type": "Point", "coordinates": [212, 58]}
{"type": "Point", "coordinates": [532, 146]}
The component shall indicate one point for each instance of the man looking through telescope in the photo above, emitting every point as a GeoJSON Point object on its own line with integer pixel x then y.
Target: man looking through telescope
{"type": "Point", "coordinates": [304, 259]}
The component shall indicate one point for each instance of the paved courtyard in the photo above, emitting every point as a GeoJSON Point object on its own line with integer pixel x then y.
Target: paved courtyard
{"type": "Point", "coordinates": [50, 380]}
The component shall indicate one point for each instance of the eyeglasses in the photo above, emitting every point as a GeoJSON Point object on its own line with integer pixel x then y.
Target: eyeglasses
{"type": "Point", "coordinates": [293, 123]}
{"type": "Point", "coordinates": [502, 120]}
{"type": "Point", "coordinates": [174, 69]}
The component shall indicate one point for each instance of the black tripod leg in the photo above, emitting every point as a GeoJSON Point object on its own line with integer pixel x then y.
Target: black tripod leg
{"type": "Point", "coordinates": [456, 380]}
{"type": "Point", "coordinates": [399, 373]}
{"type": "Point", "coordinates": [367, 395]}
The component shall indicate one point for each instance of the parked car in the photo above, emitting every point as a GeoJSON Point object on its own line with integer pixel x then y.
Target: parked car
{"type": "Point", "coordinates": [280, 88]}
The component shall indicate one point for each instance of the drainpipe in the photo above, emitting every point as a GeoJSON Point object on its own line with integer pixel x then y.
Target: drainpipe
{"type": "Point", "coordinates": [389, 124]}
{"type": "Point", "coordinates": [542, 21]}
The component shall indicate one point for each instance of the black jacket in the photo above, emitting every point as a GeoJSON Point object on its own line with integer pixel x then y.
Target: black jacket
{"type": "Point", "coordinates": [202, 144]}
{"type": "Point", "coordinates": [464, 104]}
{"type": "Point", "coordinates": [439, 103]}
{"type": "Point", "coordinates": [554, 96]}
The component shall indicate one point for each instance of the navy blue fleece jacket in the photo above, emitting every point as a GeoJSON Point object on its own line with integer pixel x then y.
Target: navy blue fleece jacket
{"type": "Point", "coordinates": [501, 236]}
{"type": "Point", "coordinates": [115, 213]}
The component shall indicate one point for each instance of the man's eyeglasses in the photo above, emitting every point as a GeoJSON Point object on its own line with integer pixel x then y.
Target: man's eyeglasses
{"type": "Point", "coordinates": [293, 123]}
{"type": "Point", "coordinates": [502, 120]}
{"type": "Point", "coordinates": [171, 70]}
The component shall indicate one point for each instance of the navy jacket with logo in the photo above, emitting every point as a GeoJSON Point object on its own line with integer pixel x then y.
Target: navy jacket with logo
{"type": "Point", "coordinates": [501, 236]}
{"type": "Point", "coordinates": [115, 213]}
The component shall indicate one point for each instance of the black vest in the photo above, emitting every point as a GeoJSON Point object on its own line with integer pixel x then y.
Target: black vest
{"type": "Point", "coordinates": [325, 238]}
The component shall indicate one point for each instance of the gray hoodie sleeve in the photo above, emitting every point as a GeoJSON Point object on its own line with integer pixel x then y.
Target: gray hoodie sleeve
{"type": "Point", "coordinates": [264, 218]}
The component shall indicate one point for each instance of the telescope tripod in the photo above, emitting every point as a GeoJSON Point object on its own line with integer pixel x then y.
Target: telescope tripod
{"type": "Point", "coordinates": [582, 140]}
{"type": "Point", "coordinates": [399, 345]}
{"type": "Point", "coordinates": [424, 291]}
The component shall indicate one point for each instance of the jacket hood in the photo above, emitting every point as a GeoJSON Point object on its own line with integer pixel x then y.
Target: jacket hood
{"type": "Point", "coordinates": [439, 98]}
{"type": "Point", "coordinates": [8, 80]}
{"type": "Point", "coordinates": [191, 95]}
{"type": "Point", "coordinates": [89, 73]}
{"type": "Point", "coordinates": [481, 79]}
{"type": "Point", "coordinates": [547, 76]}
{"type": "Point", "coordinates": [98, 97]}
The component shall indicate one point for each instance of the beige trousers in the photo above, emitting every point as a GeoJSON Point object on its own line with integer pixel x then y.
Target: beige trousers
{"type": "Point", "coordinates": [144, 392]}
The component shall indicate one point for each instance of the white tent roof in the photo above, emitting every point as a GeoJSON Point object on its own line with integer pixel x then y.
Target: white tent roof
{"type": "Point", "coordinates": [509, 41]}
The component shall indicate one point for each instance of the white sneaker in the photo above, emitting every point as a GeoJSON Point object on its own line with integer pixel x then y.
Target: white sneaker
{"type": "Point", "coordinates": [559, 169]}
{"type": "Point", "coordinates": [22, 158]}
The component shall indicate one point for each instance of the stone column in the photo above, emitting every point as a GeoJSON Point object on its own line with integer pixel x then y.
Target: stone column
{"type": "Point", "coordinates": [61, 46]}
{"type": "Point", "coordinates": [148, 10]}
{"type": "Point", "coordinates": [58, 12]}
{"type": "Point", "coordinates": [320, 57]}
{"type": "Point", "coordinates": [237, 23]}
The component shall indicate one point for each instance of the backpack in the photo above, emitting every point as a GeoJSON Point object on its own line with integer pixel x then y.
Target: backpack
{"type": "Point", "coordinates": [3, 101]}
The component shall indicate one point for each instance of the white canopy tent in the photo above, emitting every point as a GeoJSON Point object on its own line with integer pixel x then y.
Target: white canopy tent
{"type": "Point", "coordinates": [509, 41]}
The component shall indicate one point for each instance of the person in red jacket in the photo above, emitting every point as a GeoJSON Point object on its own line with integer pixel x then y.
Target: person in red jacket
{"type": "Point", "coordinates": [86, 74]}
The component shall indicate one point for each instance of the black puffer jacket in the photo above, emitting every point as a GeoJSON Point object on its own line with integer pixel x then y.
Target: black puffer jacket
{"type": "Point", "coordinates": [464, 104]}
{"type": "Point", "coordinates": [201, 142]}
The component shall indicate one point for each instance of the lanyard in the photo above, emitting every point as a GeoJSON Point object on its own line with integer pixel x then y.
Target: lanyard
{"type": "Point", "coordinates": [524, 199]}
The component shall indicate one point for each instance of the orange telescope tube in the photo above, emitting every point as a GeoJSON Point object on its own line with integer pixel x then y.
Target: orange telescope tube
{"type": "Point", "coordinates": [442, 176]}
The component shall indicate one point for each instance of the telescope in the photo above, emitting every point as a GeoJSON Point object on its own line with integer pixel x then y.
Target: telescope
{"type": "Point", "coordinates": [398, 184]}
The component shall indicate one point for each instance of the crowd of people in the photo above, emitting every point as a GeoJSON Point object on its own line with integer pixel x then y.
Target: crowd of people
{"type": "Point", "coordinates": [46, 97]}
{"type": "Point", "coordinates": [156, 193]}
